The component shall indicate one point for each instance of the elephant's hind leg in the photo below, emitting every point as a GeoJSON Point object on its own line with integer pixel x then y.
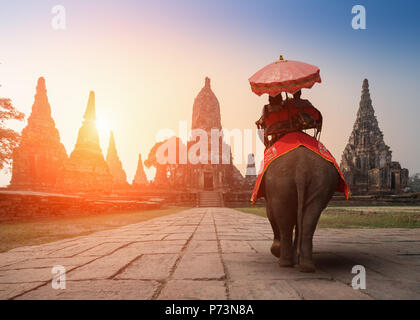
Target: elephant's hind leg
{"type": "Point", "coordinates": [286, 249]}
{"type": "Point", "coordinates": [311, 216]}
{"type": "Point", "coordinates": [286, 222]}
{"type": "Point", "coordinates": [312, 211]}
{"type": "Point", "coordinates": [275, 247]}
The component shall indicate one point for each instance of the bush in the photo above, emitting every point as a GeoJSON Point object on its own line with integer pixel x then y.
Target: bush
{"type": "Point", "coordinates": [414, 183]}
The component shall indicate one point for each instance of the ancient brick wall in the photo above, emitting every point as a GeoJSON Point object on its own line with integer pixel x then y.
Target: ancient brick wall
{"type": "Point", "coordinates": [29, 205]}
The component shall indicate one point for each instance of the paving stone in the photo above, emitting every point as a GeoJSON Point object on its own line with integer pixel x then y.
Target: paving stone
{"type": "Point", "coordinates": [150, 266]}
{"type": "Point", "coordinates": [105, 267]}
{"type": "Point", "coordinates": [200, 266]}
{"type": "Point", "coordinates": [377, 285]}
{"type": "Point", "coordinates": [237, 236]}
{"type": "Point", "coordinates": [262, 290]}
{"type": "Point", "coordinates": [193, 290]}
{"type": "Point", "coordinates": [204, 236]}
{"type": "Point", "coordinates": [11, 290]}
{"type": "Point", "coordinates": [155, 236]}
{"type": "Point", "coordinates": [7, 258]}
{"type": "Point", "coordinates": [68, 263]}
{"type": "Point", "coordinates": [178, 236]}
{"type": "Point", "coordinates": [74, 249]}
{"type": "Point", "coordinates": [202, 246]}
{"type": "Point", "coordinates": [25, 275]}
{"type": "Point", "coordinates": [51, 246]}
{"type": "Point", "coordinates": [96, 289]}
{"type": "Point", "coordinates": [261, 246]}
{"type": "Point", "coordinates": [207, 253]}
{"type": "Point", "coordinates": [186, 229]}
{"type": "Point", "coordinates": [102, 249]}
{"type": "Point", "coordinates": [231, 246]}
{"type": "Point", "coordinates": [163, 246]}
{"type": "Point", "coordinates": [323, 289]}
{"type": "Point", "coordinates": [262, 267]}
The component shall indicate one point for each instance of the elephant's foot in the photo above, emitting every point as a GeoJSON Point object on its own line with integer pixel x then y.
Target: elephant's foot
{"type": "Point", "coordinates": [285, 263]}
{"type": "Point", "coordinates": [307, 266]}
{"type": "Point", "coordinates": [275, 248]}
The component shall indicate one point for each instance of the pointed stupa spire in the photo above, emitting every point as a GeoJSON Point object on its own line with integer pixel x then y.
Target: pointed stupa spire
{"type": "Point", "coordinates": [41, 109]}
{"type": "Point", "coordinates": [40, 87]}
{"type": "Point", "coordinates": [365, 85]}
{"type": "Point", "coordinates": [366, 101]}
{"type": "Point", "coordinates": [207, 83]}
{"type": "Point", "coordinates": [90, 113]}
{"type": "Point", "coordinates": [111, 146]}
{"type": "Point", "coordinates": [119, 177]}
{"type": "Point", "coordinates": [366, 113]}
{"type": "Point", "coordinates": [140, 177]}
{"type": "Point", "coordinates": [206, 109]}
{"type": "Point", "coordinates": [88, 137]}
{"type": "Point", "coordinates": [86, 169]}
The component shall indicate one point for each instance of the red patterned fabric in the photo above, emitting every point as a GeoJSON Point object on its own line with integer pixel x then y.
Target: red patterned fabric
{"type": "Point", "coordinates": [288, 143]}
{"type": "Point", "coordinates": [284, 76]}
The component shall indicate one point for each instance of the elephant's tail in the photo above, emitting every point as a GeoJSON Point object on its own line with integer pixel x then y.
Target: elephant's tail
{"type": "Point", "coordinates": [300, 186]}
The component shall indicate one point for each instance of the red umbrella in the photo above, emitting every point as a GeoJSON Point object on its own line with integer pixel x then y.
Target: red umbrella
{"type": "Point", "coordinates": [284, 76]}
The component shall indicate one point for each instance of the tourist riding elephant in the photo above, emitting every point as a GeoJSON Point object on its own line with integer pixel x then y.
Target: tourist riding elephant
{"type": "Point", "coordinates": [297, 188]}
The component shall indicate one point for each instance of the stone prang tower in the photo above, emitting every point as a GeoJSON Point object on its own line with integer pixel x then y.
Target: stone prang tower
{"type": "Point", "coordinates": [40, 155]}
{"type": "Point", "coordinates": [119, 177]}
{"type": "Point", "coordinates": [140, 178]}
{"type": "Point", "coordinates": [367, 161]}
{"type": "Point", "coordinates": [223, 175]}
{"type": "Point", "coordinates": [86, 169]}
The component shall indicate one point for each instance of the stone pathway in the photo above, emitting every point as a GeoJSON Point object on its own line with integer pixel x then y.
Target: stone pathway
{"type": "Point", "coordinates": [212, 253]}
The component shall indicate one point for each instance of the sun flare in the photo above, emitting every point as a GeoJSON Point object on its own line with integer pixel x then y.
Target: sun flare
{"type": "Point", "coordinates": [103, 125]}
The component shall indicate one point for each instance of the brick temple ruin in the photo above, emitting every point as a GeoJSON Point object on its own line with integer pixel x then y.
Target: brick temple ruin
{"type": "Point", "coordinates": [38, 159]}
{"type": "Point", "coordinates": [87, 179]}
{"type": "Point", "coordinates": [119, 177]}
{"type": "Point", "coordinates": [367, 161]}
{"type": "Point", "coordinates": [86, 169]}
{"type": "Point", "coordinates": [140, 179]}
{"type": "Point", "coordinates": [40, 163]}
{"type": "Point", "coordinates": [210, 181]}
{"type": "Point", "coordinates": [220, 177]}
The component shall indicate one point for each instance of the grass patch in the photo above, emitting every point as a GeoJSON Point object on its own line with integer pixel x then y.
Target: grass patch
{"type": "Point", "coordinates": [361, 217]}
{"type": "Point", "coordinates": [34, 232]}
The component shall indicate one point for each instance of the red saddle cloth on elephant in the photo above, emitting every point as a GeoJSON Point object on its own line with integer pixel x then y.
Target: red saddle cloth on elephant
{"type": "Point", "coordinates": [288, 143]}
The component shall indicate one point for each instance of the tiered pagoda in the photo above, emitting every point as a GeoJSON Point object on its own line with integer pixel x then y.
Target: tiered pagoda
{"type": "Point", "coordinates": [119, 177]}
{"type": "Point", "coordinates": [367, 161]}
{"type": "Point", "coordinates": [40, 154]}
{"type": "Point", "coordinates": [140, 178]}
{"type": "Point", "coordinates": [222, 176]}
{"type": "Point", "coordinates": [86, 169]}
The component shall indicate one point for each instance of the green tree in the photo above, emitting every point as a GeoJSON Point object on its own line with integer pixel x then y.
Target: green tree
{"type": "Point", "coordinates": [9, 139]}
{"type": "Point", "coordinates": [414, 182]}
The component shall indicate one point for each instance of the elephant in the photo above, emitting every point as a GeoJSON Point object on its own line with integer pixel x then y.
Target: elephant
{"type": "Point", "coordinates": [297, 188]}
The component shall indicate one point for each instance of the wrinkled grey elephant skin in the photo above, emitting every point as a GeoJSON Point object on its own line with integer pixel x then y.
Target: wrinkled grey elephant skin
{"type": "Point", "coordinates": [298, 187]}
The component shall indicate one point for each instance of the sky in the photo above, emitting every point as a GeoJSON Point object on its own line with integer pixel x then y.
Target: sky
{"type": "Point", "coordinates": [147, 60]}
